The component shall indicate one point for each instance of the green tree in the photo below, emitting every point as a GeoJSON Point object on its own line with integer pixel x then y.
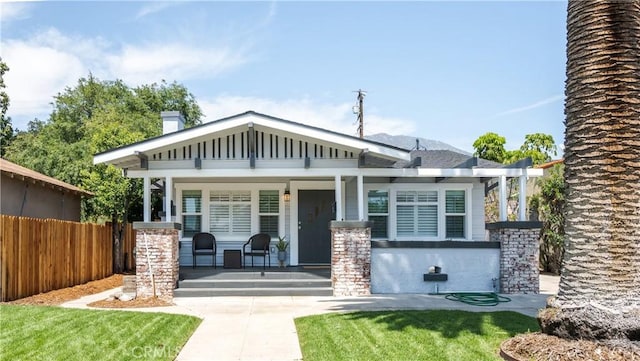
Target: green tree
{"type": "Point", "coordinates": [490, 146]}
{"type": "Point", "coordinates": [92, 117]}
{"type": "Point", "coordinates": [549, 203]}
{"type": "Point", "coordinates": [6, 129]}
{"type": "Point", "coordinates": [599, 286]}
{"type": "Point", "coordinates": [539, 147]}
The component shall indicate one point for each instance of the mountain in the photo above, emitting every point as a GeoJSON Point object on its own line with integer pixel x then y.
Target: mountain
{"type": "Point", "coordinates": [409, 142]}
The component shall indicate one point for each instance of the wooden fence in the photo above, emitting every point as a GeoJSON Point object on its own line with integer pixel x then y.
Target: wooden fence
{"type": "Point", "coordinates": [40, 255]}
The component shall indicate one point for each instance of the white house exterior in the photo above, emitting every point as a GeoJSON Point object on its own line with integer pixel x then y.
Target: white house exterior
{"type": "Point", "coordinates": [253, 173]}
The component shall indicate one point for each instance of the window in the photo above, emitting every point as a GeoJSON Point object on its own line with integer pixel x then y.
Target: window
{"type": "Point", "coordinates": [269, 210]}
{"type": "Point", "coordinates": [417, 213]}
{"type": "Point", "coordinates": [191, 212]}
{"type": "Point", "coordinates": [455, 212]}
{"type": "Point", "coordinates": [230, 212]}
{"type": "Point", "coordinates": [378, 211]}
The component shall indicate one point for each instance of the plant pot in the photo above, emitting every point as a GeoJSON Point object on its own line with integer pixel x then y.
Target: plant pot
{"type": "Point", "coordinates": [282, 257]}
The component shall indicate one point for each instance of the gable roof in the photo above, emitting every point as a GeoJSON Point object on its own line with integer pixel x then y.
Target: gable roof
{"type": "Point", "coordinates": [13, 170]}
{"type": "Point", "coordinates": [446, 159]}
{"type": "Point", "coordinates": [252, 118]}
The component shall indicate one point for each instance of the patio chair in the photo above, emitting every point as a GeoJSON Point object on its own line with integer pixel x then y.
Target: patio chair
{"type": "Point", "coordinates": [259, 246]}
{"type": "Point", "coordinates": [204, 244]}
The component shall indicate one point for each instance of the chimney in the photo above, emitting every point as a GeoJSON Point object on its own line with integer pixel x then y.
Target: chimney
{"type": "Point", "coordinates": [171, 122]}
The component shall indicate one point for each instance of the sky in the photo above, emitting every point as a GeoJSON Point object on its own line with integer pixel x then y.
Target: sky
{"type": "Point", "coordinates": [443, 70]}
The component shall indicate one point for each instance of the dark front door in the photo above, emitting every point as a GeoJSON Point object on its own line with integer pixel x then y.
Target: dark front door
{"type": "Point", "coordinates": [315, 211]}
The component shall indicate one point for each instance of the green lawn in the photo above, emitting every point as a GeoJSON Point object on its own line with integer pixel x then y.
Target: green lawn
{"type": "Point", "coordinates": [54, 333]}
{"type": "Point", "coordinates": [409, 335]}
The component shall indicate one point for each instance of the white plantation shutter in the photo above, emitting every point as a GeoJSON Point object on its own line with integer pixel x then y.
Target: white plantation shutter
{"type": "Point", "coordinates": [428, 220]}
{"type": "Point", "coordinates": [230, 212]}
{"type": "Point", "coordinates": [405, 220]}
{"type": "Point", "coordinates": [417, 213]}
{"type": "Point", "coordinates": [219, 217]}
{"type": "Point", "coordinates": [241, 218]}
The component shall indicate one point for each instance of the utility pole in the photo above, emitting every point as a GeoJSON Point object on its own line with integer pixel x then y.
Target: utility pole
{"type": "Point", "coordinates": [360, 111]}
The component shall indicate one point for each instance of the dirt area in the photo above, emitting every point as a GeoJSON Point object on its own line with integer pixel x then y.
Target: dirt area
{"type": "Point", "coordinates": [136, 303]}
{"type": "Point", "coordinates": [58, 297]}
{"type": "Point", "coordinates": [541, 347]}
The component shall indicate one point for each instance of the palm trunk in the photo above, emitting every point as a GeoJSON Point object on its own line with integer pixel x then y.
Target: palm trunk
{"type": "Point", "coordinates": [601, 270]}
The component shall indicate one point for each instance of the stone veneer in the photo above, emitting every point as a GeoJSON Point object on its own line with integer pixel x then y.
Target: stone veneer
{"type": "Point", "coordinates": [350, 258]}
{"type": "Point", "coordinates": [519, 255]}
{"type": "Point", "coordinates": [158, 240]}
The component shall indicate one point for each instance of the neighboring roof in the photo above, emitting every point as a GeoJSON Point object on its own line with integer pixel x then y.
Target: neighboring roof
{"type": "Point", "coordinates": [13, 170]}
{"type": "Point", "coordinates": [382, 149]}
{"type": "Point", "coordinates": [446, 159]}
{"type": "Point", "coordinates": [550, 164]}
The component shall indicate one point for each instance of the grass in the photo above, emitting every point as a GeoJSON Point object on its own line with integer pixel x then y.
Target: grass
{"type": "Point", "coordinates": [54, 333]}
{"type": "Point", "coordinates": [409, 335]}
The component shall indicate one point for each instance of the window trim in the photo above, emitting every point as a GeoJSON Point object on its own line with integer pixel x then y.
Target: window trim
{"type": "Point", "coordinates": [182, 213]}
{"type": "Point", "coordinates": [254, 188]}
{"type": "Point", "coordinates": [447, 214]}
{"type": "Point", "coordinates": [231, 203]}
{"type": "Point", "coordinates": [367, 214]}
{"type": "Point", "coordinates": [277, 214]}
{"type": "Point", "coordinates": [440, 188]}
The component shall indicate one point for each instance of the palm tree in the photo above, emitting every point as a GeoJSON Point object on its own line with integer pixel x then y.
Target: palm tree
{"type": "Point", "coordinates": [599, 294]}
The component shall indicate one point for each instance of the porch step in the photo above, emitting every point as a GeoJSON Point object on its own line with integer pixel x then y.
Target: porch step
{"type": "Point", "coordinates": [254, 283]}
{"type": "Point", "coordinates": [208, 282]}
{"type": "Point", "coordinates": [251, 275]}
{"type": "Point", "coordinates": [283, 291]}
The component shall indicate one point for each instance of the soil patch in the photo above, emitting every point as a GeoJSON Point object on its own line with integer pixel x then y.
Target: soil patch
{"type": "Point", "coordinates": [57, 297]}
{"type": "Point", "coordinates": [135, 303]}
{"type": "Point", "coordinates": [542, 347]}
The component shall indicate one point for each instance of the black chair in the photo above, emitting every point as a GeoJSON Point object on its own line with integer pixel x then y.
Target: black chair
{"type": "Point", "coordinates": [259, 246]}
{"type": "Point", "coordinates": [204, 244]}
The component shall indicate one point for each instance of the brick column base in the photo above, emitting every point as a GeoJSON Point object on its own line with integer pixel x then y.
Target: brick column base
{"type": "Point", "coordinates": [157, 255]}
{"type": "Point", "coordinates": [351, 258]}
{"type": "Point", "coordinates": [519, 255]}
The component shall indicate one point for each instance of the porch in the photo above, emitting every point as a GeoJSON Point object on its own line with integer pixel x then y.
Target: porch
{"type": "Point", "coordinates": [254, 281]}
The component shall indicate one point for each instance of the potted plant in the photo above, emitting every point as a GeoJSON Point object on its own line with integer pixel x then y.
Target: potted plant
{"type": "Point", "coordinates": [282, 245]}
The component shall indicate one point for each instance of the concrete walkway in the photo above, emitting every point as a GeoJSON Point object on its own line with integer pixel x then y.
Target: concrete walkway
{"type": "Point", "coordinates": [262, 328]}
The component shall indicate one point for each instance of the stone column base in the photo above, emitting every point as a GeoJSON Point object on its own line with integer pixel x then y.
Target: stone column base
{"type": "Point", "coordinates": [156, 259]}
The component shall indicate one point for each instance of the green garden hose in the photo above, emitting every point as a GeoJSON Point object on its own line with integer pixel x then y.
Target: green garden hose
{"type": "Point", "coordinates": [478, 299]}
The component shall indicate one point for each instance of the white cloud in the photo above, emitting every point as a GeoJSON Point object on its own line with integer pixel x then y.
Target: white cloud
{"type": "Point", "coordinates": [336, 117]}
{"type": "Point", "coordinates": [534, 105]}
{"type": "Point", "coordinates": [43, 65]}
{"type": "Point", "coordinates": [10, 11]}
{"type": "Point", "coordinates": [151, 63]}
{"type": "Point", "coordinates": [154, 7]}
{"type": "Point", "coordinates": [36, 73]}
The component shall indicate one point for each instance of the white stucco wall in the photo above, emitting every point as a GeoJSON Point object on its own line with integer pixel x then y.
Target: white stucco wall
{"type": "Point", "coordinates": [400, 270]}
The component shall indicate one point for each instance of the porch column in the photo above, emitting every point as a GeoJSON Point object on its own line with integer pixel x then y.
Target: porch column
{"type": "Point", "coordinates": [146, 199]}
{"type": "Point", "coordinates": [519, 255]}
{"type": "Point", "coordinates": [522, 198]}
{"type": "Point", "coordinates": [360, 198]}
{"type": "Point", "coordinates": [502, 202]}
{"type": "Point", "coordinates": [350, 258]}
{"type": "Point", "coordinates": [168, 194]}
{"type": "Point", "coordinates": [338, 193]}
{"type": "Point", "coordinates": [156, 259]}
